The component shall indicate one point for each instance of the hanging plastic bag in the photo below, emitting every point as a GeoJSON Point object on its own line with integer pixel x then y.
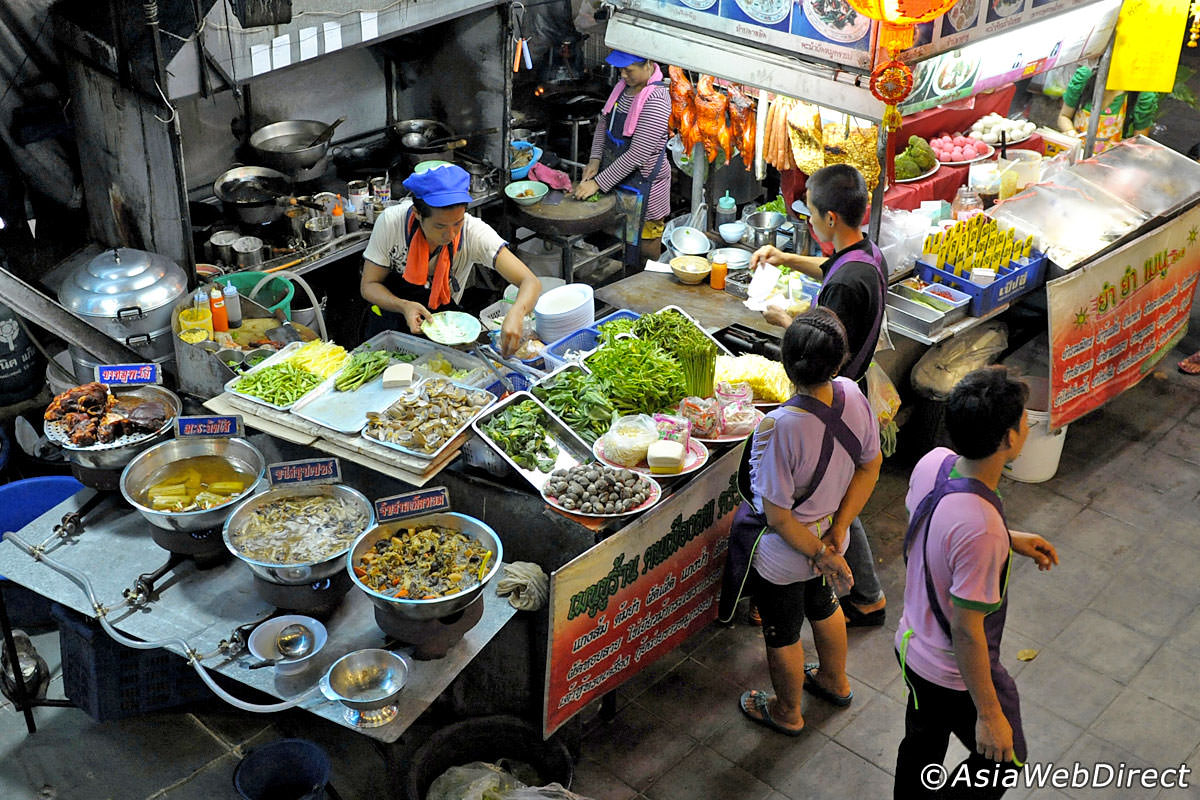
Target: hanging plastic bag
{"type": "Point", "coordinates": [946, 363]}
{"type": "Point", "coordinates": [885, 402]}
{"type": "Point", "coordinates": [628, 439]}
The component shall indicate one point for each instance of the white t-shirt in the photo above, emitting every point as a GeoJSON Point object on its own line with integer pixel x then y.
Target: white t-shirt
{"type": "Point", "coordinates": [479, 245]}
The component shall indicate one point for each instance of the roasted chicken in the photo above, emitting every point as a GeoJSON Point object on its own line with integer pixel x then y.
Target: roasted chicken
{"type": "Point", "coordinates": [711, 105]}
{"type": "Point", "coordinates": [81, 428]}
{"type": "Point", "coordinates": [683, 108]}
{"type": "Point", "coordinates": [744, 123]}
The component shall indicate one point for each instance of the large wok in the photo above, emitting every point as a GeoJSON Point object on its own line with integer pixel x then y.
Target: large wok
{"type": "Point", "coordinates": [284, 146]}
{"type": "Point", "coordinates": [252, 193]}
{"type": "Point", "coordinates": [429, 130]}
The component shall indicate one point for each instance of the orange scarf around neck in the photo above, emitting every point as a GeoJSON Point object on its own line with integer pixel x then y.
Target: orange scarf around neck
{"type": "Point", "coordinates": [416, 265]}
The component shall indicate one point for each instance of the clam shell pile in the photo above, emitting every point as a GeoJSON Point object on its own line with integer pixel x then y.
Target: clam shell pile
{"type": "Point", "coordinates": [427, 416]}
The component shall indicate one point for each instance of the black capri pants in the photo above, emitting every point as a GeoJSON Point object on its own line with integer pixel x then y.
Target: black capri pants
{"type": "Point", "coordinates": [783, 608]}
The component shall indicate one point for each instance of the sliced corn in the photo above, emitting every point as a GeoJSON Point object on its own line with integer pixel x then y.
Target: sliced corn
{"type": "Point", "coordinates": [167, 490]}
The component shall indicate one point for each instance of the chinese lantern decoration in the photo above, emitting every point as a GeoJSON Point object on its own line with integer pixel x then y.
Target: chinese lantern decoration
{"type": "Point", "coordinates": [892, 80]}
{"type": "Point", "coordinates": [1194, 28]}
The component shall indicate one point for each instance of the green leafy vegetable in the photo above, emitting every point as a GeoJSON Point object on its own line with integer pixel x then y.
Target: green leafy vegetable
{"type": "Point", "coordinates": [641, 377]}
{"type": "Point", "coordinates": [364, 366]}
{"type": "Point", "coordinates": [580, 399]}
{"type": "Point", "coordinates": [521, 431]}
{"type": "Point", "coordinates": [670, 330]}
{"type": "Point", "coordinates": [776, 205]}
{"type": "Point", "coordinates": [609, 331]}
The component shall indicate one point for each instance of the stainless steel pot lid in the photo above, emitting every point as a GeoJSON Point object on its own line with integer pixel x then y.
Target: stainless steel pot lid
{"type": "Point", "coordinates": [122, 279]}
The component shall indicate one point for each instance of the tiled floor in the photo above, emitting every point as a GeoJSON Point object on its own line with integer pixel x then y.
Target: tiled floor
{"type": "Point", "coordinates": [1116, 627]}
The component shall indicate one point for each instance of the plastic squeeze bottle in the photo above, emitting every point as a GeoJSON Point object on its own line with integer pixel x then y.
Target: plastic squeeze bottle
{"type": "Point", "coordinates": [216, 301]}
{"type": "Point", "coordinates": [339, 219]}
{"type": "Point", "coordinates": [233, 305]}
{"type": "Point", "coordinates": [726, 209]}
{"type": "Point", "coordinates": [716, 278]}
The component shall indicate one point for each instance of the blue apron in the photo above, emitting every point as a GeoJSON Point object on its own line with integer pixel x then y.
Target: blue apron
{"type": "Point", "coordinates": [993, 623]}
{"type": "Point", "coordinates": [634, 191]}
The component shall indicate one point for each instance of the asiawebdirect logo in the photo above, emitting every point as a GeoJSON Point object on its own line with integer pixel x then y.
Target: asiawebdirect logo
{"type": "Point", "coordinates": [1049, 775]}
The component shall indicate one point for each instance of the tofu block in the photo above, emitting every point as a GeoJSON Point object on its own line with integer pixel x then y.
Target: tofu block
{"type": "Point", "coordinates": [398, 376]}
{"type": "Point", "coordinates": [666, 457]}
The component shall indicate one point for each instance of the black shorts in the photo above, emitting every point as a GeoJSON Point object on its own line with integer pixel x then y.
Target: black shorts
{"type": "Point", "coordinates": [783, 608]}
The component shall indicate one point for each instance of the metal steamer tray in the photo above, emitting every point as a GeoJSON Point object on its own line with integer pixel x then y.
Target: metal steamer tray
{"type": "Point", "coordinates": [283, 355]}
{"type": "Point", "coordinates": [433, 456]}
{"type": "Point", "coordinates": [572, 450]}
{"type": "Point", "coordinates": [58, 433]}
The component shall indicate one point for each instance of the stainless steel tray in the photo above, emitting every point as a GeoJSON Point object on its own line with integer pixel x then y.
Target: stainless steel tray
{"type": "Point", "coordinates": [422, 348]}
{"type": "Point", "coordinates": [572, 366]}
{"type": "Point", "coordinates": [449, 439]}
{"type": "Point", "coordinates": [283, 355]}
{"type": "Point", "coordinates": [346, 412]}
{"type": "Point", "coordinates": [572, 450]}
{"type": "Point", "coordinates": [916, 317]}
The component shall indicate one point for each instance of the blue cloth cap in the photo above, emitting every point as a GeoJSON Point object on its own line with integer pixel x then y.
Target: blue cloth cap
{"type": "Point", "coordinates": [619, 58]}
{"type": "Point", "coordinates": [441, 186]}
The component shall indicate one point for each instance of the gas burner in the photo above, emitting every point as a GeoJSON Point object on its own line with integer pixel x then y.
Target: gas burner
{"type": "Point", "coordinates": [318, 598]}
{"type": "Point", "coordinates": [433, 638]}
{"type": "Point", "coordinates": [205, 547]}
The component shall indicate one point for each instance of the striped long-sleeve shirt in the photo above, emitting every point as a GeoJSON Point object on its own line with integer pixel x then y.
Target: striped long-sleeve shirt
{"type": "Point", "coordinates": [648, 142]}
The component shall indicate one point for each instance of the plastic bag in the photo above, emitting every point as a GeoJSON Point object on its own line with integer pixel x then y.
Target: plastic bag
{"type": "Point", "coordinates": [471, 782]}
{"type": "Point", "coordinates": [738, 419]}
{"type": "Point", "coordinates": [885, 402]}
{"type": "Point", "coordinates": [946, 363]}
{"type": "Point", "coordinates": [902, 237]}
{"type": "Point", "coordinates": [673, 428]}
{"type": "Point", "coordinates": [628, 438]}
{"type": "Point", "coordinates": [732, 393]}
{"type": "Point", "coordinates": [551, 791]}
{"type": "Point", "coordinates": [701, 412]}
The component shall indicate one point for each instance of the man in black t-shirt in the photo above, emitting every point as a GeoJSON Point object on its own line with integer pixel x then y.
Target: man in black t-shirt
{"type": "Point", "coordinates": [854, 283]}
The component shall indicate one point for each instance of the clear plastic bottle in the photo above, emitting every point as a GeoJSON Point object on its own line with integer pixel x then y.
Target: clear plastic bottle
{"type": "Point", "coordinates": [726, 210]}
{"type": "Point", "coordinates": [233, 305]}
{"type": "Point", "coordinates": [339, 219]}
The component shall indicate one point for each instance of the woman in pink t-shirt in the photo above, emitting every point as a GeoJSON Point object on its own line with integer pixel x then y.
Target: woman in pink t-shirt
{"type": "Point", "coordinates": [813, 463]}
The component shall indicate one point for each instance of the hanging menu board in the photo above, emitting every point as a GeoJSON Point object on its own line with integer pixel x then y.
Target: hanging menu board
{"type": "Point", "coordinates": [1004, 58]}
{"type": "Point", "coordinates": [828, 30]}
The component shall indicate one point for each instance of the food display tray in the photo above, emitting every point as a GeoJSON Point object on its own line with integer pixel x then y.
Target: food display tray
{"type": "Point", "coordinates": [451, 439]}
{"type": "Point", "coordinates": [423, 348]}
{"type": "Point", "coordinates": [1020, 277]}
{"type": "Point", "coordinates": [572, 450]}
{"type": "Point", "coordinates": [655, 494]}
{"type": "Point", "coordinates": [569, 367]}
{"type": "Point", "coordinates": [283, 355]}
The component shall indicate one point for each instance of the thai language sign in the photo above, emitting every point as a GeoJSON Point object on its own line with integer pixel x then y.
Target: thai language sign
{"type": "Point", "coordinates": [309, 470]}
{"type": "Point", "coordinates": [426, 501]}
{"type": "Point", "coordinates": [631, 599]}
{"type": "Point", "coordinates": [224, 426]}
{"type": "Point", "coordinates": [128, 374]}
{"type": "Point", "coordinates": [1112, 321]}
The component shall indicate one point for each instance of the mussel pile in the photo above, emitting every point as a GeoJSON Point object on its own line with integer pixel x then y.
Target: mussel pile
{"type": "Point", "coordinates": [428, 416]}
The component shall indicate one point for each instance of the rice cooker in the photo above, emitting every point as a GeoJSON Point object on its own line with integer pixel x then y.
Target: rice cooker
{"type": "Point", "coordinates": [128, 295]}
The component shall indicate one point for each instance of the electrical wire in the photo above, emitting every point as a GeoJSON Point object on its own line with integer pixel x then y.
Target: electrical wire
{"type": "Point", "coordinates": [81, 580]}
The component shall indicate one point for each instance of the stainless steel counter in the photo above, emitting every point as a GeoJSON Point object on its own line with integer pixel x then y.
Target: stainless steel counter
{"type": "Point", "coordinates": [204, 607]}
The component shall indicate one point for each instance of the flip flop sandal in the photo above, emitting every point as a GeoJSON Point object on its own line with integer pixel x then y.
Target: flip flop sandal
{"type": "Point", "coordinates": [817, 690]}
{"type": "Point", "coordinates": [859, 619]}
{"type": "Point", "coordinates": [1191, 364]}
{"type": "Point", "coordinates": [761, 701]}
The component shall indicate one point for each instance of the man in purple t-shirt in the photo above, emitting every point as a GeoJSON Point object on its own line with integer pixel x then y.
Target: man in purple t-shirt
{"type": "Point", "coordinates": [955, 597]}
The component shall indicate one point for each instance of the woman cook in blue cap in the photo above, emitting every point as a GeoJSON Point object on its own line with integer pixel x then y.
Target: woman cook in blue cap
{"type": "Point", "coordinates": [422, 253]}
{"type": "Point", "coordinates": [629, 148]}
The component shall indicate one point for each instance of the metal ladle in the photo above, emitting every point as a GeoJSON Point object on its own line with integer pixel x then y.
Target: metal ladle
{"type": "Point", "coordinates": [293, 642]}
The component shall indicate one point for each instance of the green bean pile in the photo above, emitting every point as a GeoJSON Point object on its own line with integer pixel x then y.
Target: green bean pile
{"type": "Point", "coordinates": [279, 384]}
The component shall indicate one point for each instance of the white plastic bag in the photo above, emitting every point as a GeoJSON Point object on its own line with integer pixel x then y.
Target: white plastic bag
{"type": "Point", "coordinates": [628, 439]}
{"type": "Point", "coordinates": [946, 363]}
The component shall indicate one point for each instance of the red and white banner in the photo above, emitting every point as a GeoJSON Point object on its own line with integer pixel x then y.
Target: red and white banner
{"type": "Point", "coordinates": [1112, 321]}
{"type": "Point", "coordinates": [633, 598]}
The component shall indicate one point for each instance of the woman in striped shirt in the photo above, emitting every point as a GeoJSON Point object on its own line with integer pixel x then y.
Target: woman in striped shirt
{"type": "Point", "coordinates": [629, 148]}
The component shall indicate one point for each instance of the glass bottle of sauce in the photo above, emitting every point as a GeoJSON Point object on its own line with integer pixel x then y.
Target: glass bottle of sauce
{"type": "Point", "coordinates": [967, 203]}
{"type": "Point", "coordinates": [716, 278]}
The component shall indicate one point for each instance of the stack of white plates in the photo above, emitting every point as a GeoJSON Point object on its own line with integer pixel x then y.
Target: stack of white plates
{"type": "Point", "coordinates": [563, 310]}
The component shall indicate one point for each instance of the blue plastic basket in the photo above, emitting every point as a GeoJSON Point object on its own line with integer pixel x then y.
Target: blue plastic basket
{"type": "Point", "coordinates": [519, 383]}
{"type": "Point", "coordinates": [21, 502]}
{"type": "Point", "coordinates": [520, 173]}
{"type": "Point", "coordinates": [584, 340]}
{"type": "Point", "coordinates": [1020, 277]}
{"type": "Point", "coordinates": [111, 681]}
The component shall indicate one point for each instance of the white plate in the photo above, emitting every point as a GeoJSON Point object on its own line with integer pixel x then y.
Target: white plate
{"type": "Point", "coordinates": [922, 176]}
{"type": "Point", "coordinates": [654, 496]}
{"type": "Point", "coordinates": [963, 14]}
{"type": "Point", "coordinates": [452, 328]}
{"type": "Point", "coordinates": [847, 33]}
{"type": "Point", "coordinates": [724, 439]}
{"type": "Point", "coordinates": [697, 457]}
{"type": "Point", "coordinates": [768, 12]}
{"type": "Point", "coordinates": [1006, 8]}
{"type": "Point", "coordinates": [960, 70]}
{"type": "Point", "coordinates": [699, 5]}
{"type": "Point", "coordinates": [984, 157]}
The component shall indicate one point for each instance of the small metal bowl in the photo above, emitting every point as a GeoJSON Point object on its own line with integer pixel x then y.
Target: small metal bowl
{"type": "Point", "coordinates": [735, 257]}
{"type": "Point", "coordinates": [690, 241]}
{"type": "Point", "coordinates": [367, 683]}
{"type": "Point", "coordinates": [261, 643]}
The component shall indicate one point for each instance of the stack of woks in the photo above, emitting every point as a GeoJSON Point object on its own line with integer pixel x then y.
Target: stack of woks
{"type": "Point", "coordinates": [796, 138]}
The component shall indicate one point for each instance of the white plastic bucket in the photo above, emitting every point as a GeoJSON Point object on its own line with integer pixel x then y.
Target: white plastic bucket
{"type": "Point", "coordinates": [1039, 458]}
